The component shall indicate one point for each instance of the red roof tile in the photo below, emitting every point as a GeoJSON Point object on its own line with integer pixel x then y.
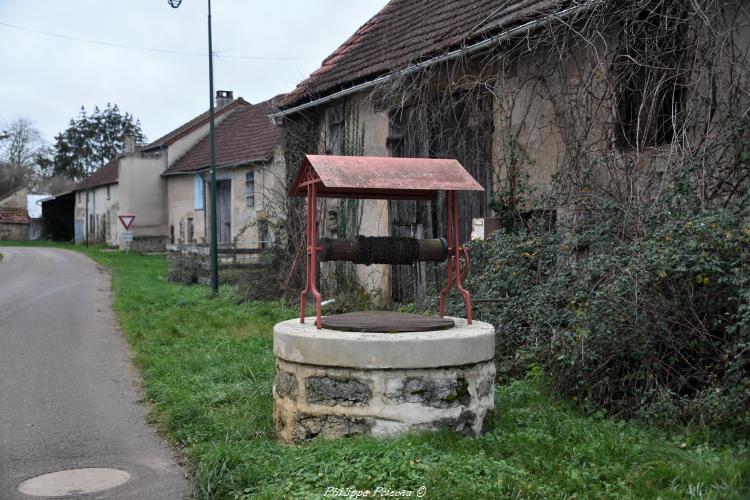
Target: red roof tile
{"type": "Point", "coordinates": [407, 31]}
{"type": "Point", "coordinates": [14, 215]}
{"type": "Point", "coordinates": [191, 125]}
{"type": "Point", "coordinates": [107, 174]}
{"type": "Point", "coordinates": [245, 136]}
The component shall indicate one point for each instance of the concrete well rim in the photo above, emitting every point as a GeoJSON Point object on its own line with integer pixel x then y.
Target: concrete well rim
{"type": "Point", "coordinates": [462, 345]}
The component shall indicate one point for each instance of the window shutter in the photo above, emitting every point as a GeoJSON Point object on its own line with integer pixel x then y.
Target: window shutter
{"type": "Point", "coordinates": [198, 180]}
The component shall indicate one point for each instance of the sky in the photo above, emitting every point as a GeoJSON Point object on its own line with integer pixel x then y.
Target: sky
{"type": "Point", "coordinates": [263, 48]}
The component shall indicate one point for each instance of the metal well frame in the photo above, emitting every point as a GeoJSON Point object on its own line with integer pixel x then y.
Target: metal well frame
{"type": "Point", "coordinates": [383, 178]}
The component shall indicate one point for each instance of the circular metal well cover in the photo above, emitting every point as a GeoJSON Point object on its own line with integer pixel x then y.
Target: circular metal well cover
{"type": "Point", "coordinates": [73, 482]}
{"type": "Point", "coordinates": [385, 321]}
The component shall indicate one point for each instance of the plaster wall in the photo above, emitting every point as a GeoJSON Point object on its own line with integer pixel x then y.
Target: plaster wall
{"type": "Point", "coordinates": [143, 194]}
{"type": "Point", "coordinates": [15, 199]}
{"type": "Point", "coordinates": [181, 202]}
{"type": "Point", "coordinates": [374, 279]}
{"type": "Point", "coordinates": [14, 231]}
{"type": "Point", "coordinates": [104, 205]}
{"type": "Point", "coordinates": [269, 185]}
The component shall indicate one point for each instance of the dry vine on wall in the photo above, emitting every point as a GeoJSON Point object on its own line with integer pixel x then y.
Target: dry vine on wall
{"type": "Point", "coordinates": [617, 128]}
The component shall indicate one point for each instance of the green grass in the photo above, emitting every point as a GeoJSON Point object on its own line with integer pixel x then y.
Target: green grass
{"type": "Point", "coordinates": [207, 369]}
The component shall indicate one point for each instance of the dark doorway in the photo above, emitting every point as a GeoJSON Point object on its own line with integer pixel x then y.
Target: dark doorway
{"type": "Point", "coordinates": [462, 130]}
{"type": "Point", "coordinates": [57, 214]}
{"type": "Point", "coordinates": [224, 211]}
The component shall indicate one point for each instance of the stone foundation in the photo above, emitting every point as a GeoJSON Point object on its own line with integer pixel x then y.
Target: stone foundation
{"type": "Point", "coordinates": [336, 384]}
{"type": "Point", "coordinates": [148, 244]}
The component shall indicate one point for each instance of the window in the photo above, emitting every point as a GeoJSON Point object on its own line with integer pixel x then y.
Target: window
{"type": "Point", "coordinates": [335, 132]}
{"type": "Point", "coordinates": [198, 191]}
{"type": "Point", "coordinates": [250, 189]}
{"type": "Point", "coordinates": [108, 196]}
{"type": "Point", "coordinates": [651, 91]}
{"type": "Point", "coordinates": [648, 111]}
{"type": "Point", "coordinates": [191, 230]}
{"type": "Point", "coordinates": [182, 231]}
{"type": "Point", "coordinates": [263, 236]}
{"type": "Point", "coordinates": [171, 234]}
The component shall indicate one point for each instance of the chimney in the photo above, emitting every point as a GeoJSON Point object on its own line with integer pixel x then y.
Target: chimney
{"type": "Point", "coordinates": [224, 97]}
{"type": "Point", "coordinates": [128, 144]}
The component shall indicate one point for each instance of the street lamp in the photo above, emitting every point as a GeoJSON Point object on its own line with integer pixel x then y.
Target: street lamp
{"type": "Point", "coordinates": [212, 126]}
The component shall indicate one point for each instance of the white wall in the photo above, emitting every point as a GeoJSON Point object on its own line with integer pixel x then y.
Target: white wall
{"type": "Point", "coordinates": [105, 209]}
{"type": "Point", "coordinates": [143, 193]}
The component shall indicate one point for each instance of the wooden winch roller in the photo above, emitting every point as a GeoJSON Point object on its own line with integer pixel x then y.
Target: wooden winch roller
{"type": "Point", "coordinates": [369, 250]}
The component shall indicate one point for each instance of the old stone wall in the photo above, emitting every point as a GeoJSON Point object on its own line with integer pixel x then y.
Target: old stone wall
{"type": "Point", "coordinates": [14, 231]}
{"type": "Point", "coordinates": [331, 383]}
{"type": "Point", "coordinates": [148, 244]}
{"type": "Point", "coordinates": [191, 264]}
{"type": "Point", "coordinates": [314, 401]}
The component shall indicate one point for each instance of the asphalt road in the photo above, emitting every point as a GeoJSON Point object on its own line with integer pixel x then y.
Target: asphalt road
{"type": "Point", "coordinates": [68, 392]}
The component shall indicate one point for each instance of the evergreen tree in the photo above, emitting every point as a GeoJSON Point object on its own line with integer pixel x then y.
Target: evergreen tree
{"type": "Point", "coordinates": [90, 141]}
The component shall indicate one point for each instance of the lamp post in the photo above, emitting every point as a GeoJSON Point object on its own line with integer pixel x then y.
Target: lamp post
{"type": "Point", "coordinates": [212, 126]}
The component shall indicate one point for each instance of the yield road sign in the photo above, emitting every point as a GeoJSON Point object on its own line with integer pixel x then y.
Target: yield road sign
{"type": "Point", "coordinates": [126, 220]}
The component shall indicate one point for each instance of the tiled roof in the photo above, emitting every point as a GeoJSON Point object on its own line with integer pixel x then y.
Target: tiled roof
{"type": "Point", "coordinates": [245, 136]}
{"type": "Point", "coordinates": [196, 122]}
{"type": "Point", "coordinates": [14, 215]}
{"type": "Point", "coordinates": [107, 174]}
{"type": "Point", "coordinates": [407, 31]}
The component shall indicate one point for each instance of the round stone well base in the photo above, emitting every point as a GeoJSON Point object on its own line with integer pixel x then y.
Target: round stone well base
{"type": "Point", "coordinates": [333, 383]}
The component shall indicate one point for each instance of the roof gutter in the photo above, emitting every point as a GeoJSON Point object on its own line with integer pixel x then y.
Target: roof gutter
{"type": "Point", "coordinates": [484, 44]}
{"type": "Point", "coordinates": [219, 167]}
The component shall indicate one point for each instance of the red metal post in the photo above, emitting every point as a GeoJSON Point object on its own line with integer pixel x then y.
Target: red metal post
{"type": "Point", "coordinates": [310, 223]}
{"type": "Point", "coordinates": [311, 257]}
{"type": "Point", "coordinates": [457, 253]}
{"type": "Point", "coordinates": [313, 200]}
{"type": "Point", "coordinates": [449, 231]}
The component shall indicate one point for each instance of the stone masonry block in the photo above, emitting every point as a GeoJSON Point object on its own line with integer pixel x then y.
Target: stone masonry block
{"type": "Point", "coordinates": [335, 391]}
{"type": "Point", "coordinates": [285, 384]}
{"type": "Point", "coordinates": [330, 426]}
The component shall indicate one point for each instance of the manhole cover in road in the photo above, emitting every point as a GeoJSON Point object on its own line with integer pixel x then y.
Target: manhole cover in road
{"type": "Point", "coordinates": [73, 482]}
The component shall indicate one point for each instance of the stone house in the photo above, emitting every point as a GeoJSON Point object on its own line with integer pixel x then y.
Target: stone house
{"type": "Point", "coordinates": [249, 167]}
{"type": "Point", "coordinates": [97, 206]}
{"type": "Point", "coordinates": [21, 215]}
{"type": "Point", "coordinates": [14, 215]}
{"type": "Point", "coordinates": [132, 184]}
{"type": "Point", "coordinates": [528, 95]}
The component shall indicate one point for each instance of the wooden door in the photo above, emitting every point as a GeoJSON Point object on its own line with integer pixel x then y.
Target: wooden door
{"type": "Point", "coordinates": [224, 212]}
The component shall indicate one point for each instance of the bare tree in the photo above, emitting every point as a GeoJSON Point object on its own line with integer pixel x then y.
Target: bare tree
{"type": "Point", "coordinates": [21, 144]}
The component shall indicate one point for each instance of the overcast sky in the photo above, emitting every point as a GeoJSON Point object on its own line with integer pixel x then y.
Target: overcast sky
{"type": "Point", "coordinates": [263, 48]}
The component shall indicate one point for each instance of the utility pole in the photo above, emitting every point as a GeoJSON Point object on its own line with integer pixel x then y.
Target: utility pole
{"type": "Point", "coordinates": [214, 258]}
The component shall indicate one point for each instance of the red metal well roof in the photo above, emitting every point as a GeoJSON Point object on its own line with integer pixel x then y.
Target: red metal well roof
{"type": "Point", "coordinates": [382, 177]}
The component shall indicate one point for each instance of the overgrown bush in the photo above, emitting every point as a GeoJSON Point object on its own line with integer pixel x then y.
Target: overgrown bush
{"type": "Point", "coordinates": [657, 327]}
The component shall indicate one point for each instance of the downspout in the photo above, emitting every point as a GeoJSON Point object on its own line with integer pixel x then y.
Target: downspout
{"type": "Point", "coordinates": [449, 56]}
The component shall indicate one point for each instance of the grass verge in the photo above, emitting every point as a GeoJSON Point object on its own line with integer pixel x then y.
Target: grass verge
{"type": "Point", "coordinates": [207, 368]}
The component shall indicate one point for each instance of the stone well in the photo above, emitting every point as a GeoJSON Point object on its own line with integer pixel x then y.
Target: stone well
{"type": "Point", "coordinates": [333, 383]}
